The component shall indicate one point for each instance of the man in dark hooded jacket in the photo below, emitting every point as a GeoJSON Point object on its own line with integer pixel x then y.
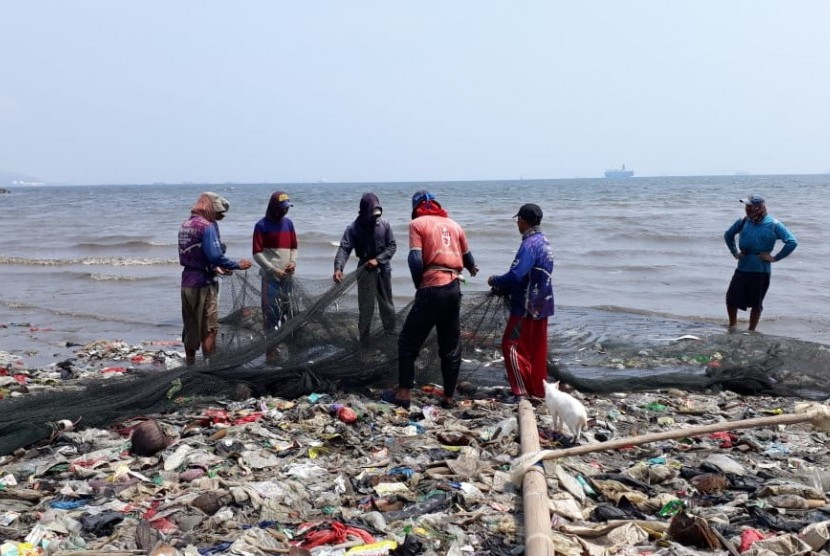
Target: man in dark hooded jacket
{"type": "Point", "coordinates": [374, 244]}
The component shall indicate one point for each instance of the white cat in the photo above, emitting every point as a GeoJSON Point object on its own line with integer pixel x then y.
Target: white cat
{"type": "Point", "coordinates": [566, 409]}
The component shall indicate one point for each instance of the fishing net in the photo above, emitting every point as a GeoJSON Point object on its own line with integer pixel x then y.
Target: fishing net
{"type": "Point", "coordinates": [605, 351]}
{"type": "Point", "coordinates": [318, 349]}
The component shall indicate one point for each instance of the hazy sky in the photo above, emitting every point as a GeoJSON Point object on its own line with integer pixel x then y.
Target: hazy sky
{"type": "Point", "coordinates": [104, 91]}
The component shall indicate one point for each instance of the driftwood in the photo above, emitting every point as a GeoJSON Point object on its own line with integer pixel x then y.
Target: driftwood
{"type": "Point", "coordinates": [27, 494]}
{"type": "Point", "coordinates": [815, 414]}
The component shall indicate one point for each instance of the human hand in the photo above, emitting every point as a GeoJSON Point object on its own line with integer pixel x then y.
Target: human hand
{"type": "Point", "coordinates": [371, 264]}
{"type": "Point", "coordinates": [223, 271]}
{"type": "Point", "coordinates": [490, 280]}
{"type": "Point", "coordinates": [474, 270]}
{"type": "Point", "coordinates": [338, 276]}
{"type": "Point", "coordinates": [244, 264]}
{"type": "Point", "coordinates": [767, 257]}
{"type": "Point", "coordinates": [290, 268]}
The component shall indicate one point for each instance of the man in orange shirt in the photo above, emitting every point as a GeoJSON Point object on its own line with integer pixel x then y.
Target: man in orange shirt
{"type": "Point", "coordinates": [438, 252]}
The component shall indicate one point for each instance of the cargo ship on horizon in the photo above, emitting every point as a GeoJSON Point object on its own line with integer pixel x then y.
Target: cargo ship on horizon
{"type": "Point", "coordinates": [619, 173]}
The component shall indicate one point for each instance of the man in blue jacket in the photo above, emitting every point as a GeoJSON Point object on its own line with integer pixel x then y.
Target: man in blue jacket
{"type": "Point", "coordinates": [373, 242]}
{"type": "Point", "coordinates": [758, 232]}
{"type": "Point", "coordinates": [529, 284]}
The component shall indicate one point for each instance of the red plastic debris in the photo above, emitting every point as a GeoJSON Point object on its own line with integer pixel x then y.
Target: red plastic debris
{"type": "Point", "coordinates": [334, 533]}
{"type": "Point", "coordinates": [725, 439]}
{"type": "Point", "coordinates": [253, 417]}
{"type": "Point", "coordinates": [749, 536]}
{"type": "Point", "coordinates": [216, 416]}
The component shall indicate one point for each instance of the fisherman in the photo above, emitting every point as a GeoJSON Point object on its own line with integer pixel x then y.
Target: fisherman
{"type": "Point", "coordinates": [371, 237]}
{"type": "Point", "coordinates": [758, 232]}
{"type": "Point", "coordinates": [438, 252]}
{"type": "Point", "coordinates": [529, 285]}
{"type": "Point", "coordinates": [202, 256]}
{"type": "Point", "coordinates": [275, 251]}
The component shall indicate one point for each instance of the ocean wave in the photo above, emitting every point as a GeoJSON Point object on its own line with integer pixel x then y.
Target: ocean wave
{"type": "Point", "coordinates": [52, 312]}
{"type": "Point", "coordinates": [126, 261]}
{"type": "Point", "coordinates": [115, 278]}
{"type": "Point", "coordinates": [103, 261]}
{"type": "Point", "coordinates": [322, 237]}
{"type": "Point", "coordinates": [123, 245]}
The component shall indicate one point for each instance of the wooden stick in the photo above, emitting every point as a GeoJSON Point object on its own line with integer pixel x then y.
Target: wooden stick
{"type": "Point", "coordinates": [725, 542]}
{"type": "Point", "coordinates": [817, 416]}
{"type": "Point", "coordinates": [538, 540]}
{"type": "Point", "coordinates": [27, 494]}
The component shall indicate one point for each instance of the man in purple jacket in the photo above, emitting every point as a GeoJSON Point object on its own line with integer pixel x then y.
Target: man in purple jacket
{"type": "Point", "coordinates": [202, 256]}
{"type": "Point", "coordinates": [529, 284]}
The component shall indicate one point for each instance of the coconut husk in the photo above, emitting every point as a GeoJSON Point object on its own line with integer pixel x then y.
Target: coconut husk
{"type": "Point", "coordinates": [148, 439]}
{"type": "Point", "coordinates": [210, 502]}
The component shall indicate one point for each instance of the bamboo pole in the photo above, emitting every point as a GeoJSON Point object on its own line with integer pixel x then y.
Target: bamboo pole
{"type": "Point", "coordinates": [818, 416]}
{"type": "Point", "coordinates": [538, 540]}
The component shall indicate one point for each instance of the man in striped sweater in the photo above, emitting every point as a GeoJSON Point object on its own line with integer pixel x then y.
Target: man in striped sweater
{"type": "Point", "coordinates": [275, 251]}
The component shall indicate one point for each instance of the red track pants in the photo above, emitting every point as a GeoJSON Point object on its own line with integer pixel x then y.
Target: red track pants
{"type": "Point", "coordinates": [525, 349]}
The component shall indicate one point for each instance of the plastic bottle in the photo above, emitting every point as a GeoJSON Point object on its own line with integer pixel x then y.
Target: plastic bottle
{"type": "Point", "coordinates": [589, 490]}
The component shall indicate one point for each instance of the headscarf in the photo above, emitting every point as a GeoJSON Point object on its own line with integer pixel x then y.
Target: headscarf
{"type": "Point", "coordinates": [756, 213]}
{"type": "Point", "coordinates": [425, 204]}
{"type": "Point", "coordinates": [205, 206]}
{"type": "Point", "coordinates": [278, 205]}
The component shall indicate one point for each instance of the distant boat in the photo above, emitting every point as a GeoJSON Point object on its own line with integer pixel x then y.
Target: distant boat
{"type": "Point", "coordinates": [28, 183]}
{"type": "Point", "coordinates": [619, 173]}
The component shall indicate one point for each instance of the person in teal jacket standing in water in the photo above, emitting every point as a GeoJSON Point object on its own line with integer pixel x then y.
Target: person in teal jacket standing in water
{"type": "Point", "coordinates": [757, 233]}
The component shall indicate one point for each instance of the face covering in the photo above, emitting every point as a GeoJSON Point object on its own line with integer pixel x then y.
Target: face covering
{"type": "Point", "coordinates": [756, 213]}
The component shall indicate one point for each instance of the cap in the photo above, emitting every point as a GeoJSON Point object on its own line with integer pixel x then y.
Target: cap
{"type": "Point", "coordinates": [421, 196]}
{"type": "Point", "coordinates": [530, 213]}
{"type": "Point", "coordinates": [753, 200]}
{"type": "Point", "coordinates": [283, 200]}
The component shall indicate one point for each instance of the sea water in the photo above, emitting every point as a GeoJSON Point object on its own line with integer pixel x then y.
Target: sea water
{"type": "Point", "coordinates": [80, 263]}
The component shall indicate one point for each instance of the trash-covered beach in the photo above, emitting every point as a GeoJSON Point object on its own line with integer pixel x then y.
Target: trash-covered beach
{"type": "Point", "coordinates": [342, 473]}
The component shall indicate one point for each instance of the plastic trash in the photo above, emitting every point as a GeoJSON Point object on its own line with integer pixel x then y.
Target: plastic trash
{"type": "Point", "coordinates": [19, 549]}
{"type": "Point", "coordinates": [589, 490]}
{"type": "Point", "coordinates": [373, 549]}
{"type": "Point", "coordinates": [777, 450]}
{"type": "Point", "coordinates": [343, 412]}
{"type": "Point", "coordinates": [749, 536]}
{"type": "Point", "coordinates": [671, 508]}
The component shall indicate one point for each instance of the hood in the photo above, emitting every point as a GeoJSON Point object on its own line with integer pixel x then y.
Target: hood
{"type": "Point", "coordinates": [370, 208]}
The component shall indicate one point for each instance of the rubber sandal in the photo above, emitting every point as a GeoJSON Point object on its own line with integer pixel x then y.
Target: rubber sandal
{"type": "Point", "coordinates": [389, 397]}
